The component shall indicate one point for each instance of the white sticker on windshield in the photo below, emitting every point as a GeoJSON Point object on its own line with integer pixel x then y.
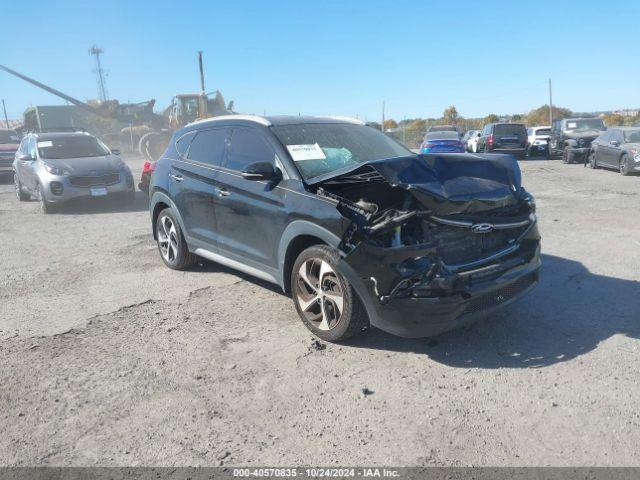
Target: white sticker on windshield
{"type": "Point", "coordinates": [45, 144]}
{"type": "Point", "coordinates": [306, 152]}
{"type": "Point", "coordinates": [572, 124]}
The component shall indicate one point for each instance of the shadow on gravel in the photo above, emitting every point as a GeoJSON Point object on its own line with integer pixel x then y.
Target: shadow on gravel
{"type": "Point", "coordinates": [569, 313]}
{"type": "Point", "coordinates": [92, 206]}
{"type": "Point", "coordinates": [206, 266]}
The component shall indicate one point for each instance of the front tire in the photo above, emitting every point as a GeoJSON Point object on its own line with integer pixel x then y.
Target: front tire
{"type": "Point", "coordinates": [624, 165]}
{"type": "Point", "coordinates": [324, 299]}
{"type": "Point", "coordinates": [567, 157]}
{"type": "Point", "coordinates": [45, 207]}
{"type": "Point", "coordinates": [171, 243]}
{"type": "Point", "coordinates": [23, 197]}
{"type": "Point", "coordinates": [593, 163]}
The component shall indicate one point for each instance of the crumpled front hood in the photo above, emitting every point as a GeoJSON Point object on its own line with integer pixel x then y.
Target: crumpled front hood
{"type": "Point", "coordinates": [86, 165]}
{"type": "Point", "coordinates": [445, 184]}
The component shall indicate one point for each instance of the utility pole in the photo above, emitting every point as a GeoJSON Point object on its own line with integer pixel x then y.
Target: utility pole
{"type": "Point", "coordinates": [6, 119]}
{"type": "Point", "coordinates": [201, 71]}
{"type": "Point", "coordinates": [550, 105]}
{"type": "Point", "coordinates": [100, 73]}
{"type": "Point", "coordinates": [382, 124]}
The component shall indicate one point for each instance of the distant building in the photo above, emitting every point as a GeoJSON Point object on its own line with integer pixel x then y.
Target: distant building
{"type": "Point", "coordinates": [628, 112]}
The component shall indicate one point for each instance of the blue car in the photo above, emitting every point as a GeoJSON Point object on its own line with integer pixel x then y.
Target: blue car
{"type": "Point", "coordinates": [442, 142]}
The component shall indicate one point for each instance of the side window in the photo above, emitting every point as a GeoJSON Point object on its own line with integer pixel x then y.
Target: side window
{"type": "Point", "coordinates": [31, 147]}
{"type": "Point", "coordinates": [23, 145]}
{"type": "Point", "coordinates": [248, 146]}
{"type": "Point", "coordinates": [182, 145]}
{"type": "Point", "coordinates": [208, 146]}
{"type": "Point", "coordinates": [617, 136]}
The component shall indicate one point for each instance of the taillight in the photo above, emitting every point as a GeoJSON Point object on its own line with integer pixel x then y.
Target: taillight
{"type": "Point", "coordinates": [149, 167]}
{"type": "Point", "coordinates": [490, 139]}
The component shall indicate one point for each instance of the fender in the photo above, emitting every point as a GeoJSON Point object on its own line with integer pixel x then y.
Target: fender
{"type": "Point", "coordinates": [161, 197]}
{"type": "Point", "coordinates": [298, 228]}
{"type": "Point", "coordinates": [570, 142]}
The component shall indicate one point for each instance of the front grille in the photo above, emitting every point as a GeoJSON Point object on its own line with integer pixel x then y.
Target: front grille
{"type": "Point", "coordinates": [94, 180]}
{"type": "Point", "coordinates": [500, 296]}
{"type": "Point", "coordinates": [460, 245]}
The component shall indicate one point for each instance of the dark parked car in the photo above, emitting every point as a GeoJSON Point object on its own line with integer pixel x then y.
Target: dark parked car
{"type": "Point", "coordinates": [503, 138]}
{"type": "Point", "coordinates": [354, 226]}
{"type": "Point", "coordinates": [572, 138]}
{"type": "Point", "coordinates": [618, 148]}
{"type": "Point", "coordinates": [60, 166]}
{"type": "Point", "coordinates": [9, 143]}
{"type": "Point", "coordinates": [442, 142]}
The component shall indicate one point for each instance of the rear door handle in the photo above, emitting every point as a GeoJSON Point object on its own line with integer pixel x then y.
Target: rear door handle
{"type": "Point", "coordinates": [177, 178]}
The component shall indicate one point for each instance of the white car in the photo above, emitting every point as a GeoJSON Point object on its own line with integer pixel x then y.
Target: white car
{"type": "Point", "coordinates": [471, 142]}
{"type": "Point", "coordinates": [538, 139]}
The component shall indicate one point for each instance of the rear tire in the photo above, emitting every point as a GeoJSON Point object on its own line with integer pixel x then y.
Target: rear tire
{"type": "Point", "coordinates": [23, 197]}
{"type": "Point", "coordinates": [325, 301]}
{"type": "Point", "coordinates": [171, 243]}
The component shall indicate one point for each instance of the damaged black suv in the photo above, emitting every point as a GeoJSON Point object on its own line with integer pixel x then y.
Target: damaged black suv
{"type": "Point", "coordinates": [358, 229]}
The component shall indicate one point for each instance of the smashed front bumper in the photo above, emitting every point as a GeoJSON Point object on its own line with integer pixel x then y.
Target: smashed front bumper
{"type": "Point", "coordinates": [425, 297]}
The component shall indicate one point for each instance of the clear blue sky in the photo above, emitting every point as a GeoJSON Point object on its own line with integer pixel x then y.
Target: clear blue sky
{"type": "Point", "coordinates": [331, 57]}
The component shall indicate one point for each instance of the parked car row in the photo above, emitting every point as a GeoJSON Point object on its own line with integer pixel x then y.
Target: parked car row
{"type": "Point", "coordinates": [575, 140]}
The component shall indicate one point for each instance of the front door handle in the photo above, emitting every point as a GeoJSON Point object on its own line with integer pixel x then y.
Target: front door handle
{"type": "Point", "coordinates": [223, 192]}
{"type": "Point", "coordinates": [177, 178]}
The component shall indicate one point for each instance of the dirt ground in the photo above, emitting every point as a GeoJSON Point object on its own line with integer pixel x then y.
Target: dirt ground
{"type": "Point", "coordinates": [110, 358]}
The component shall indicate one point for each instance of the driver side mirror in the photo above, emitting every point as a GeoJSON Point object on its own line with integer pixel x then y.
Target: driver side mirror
{"type": "Point", "coordinates": [261, 171]}
{"type": "Point", "coordinates": [25, 157]}
{"type": "Point", "coordinates": [615, 143]}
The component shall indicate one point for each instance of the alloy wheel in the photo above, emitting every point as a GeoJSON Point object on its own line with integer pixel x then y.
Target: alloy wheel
{"type": "Point", "coordinates": [319, 293]}
{"type": "Point", "coordinates": [167, 239]}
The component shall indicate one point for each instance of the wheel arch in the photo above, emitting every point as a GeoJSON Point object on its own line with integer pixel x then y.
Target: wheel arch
{"type": "Point", "coordinates": [298, 236]}
{"type": "Point", "coordinates": [159, 201]}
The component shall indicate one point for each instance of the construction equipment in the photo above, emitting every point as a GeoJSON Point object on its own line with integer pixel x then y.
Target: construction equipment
{"type": "Point", "coordinates": [151, 130]}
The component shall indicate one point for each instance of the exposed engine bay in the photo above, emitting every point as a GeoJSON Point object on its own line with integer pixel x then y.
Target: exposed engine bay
{"type": "Point", "coordinates": [462, 219]}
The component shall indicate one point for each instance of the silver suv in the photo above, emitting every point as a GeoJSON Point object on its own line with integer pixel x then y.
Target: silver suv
{"type": "Point", "coordinates": [57, 167]}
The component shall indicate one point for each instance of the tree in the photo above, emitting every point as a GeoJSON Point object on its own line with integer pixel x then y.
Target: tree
{"type": "Point", "coordinates": [613, 119]}
{"type": "Point", "coordinates": [450, 115]}
{"type": "Point", "coordinates": [491, 118]}
{"type": "Point", "coordinates": [390, 124]}
{"type": "Point", "coordinates": [540, 116]}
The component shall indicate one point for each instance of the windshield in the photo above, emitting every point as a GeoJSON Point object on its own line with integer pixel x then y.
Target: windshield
{"type": "Point", "coordinates": [441, 136]}
{"type": "Point", "coordinates": [585, 124]}
{"type": "Point", "coordinates": [442, 128]}
{"type": "Point", "coordinates": [320, 148]}
{"type": "Point", "coordinates": [543, 131]}
{"type": "Point", "coordinates": [632, 136]}
{"type": "Point", "coordinates": [72, 147]}
{"type": "Point", "coordinates": [9, 136]}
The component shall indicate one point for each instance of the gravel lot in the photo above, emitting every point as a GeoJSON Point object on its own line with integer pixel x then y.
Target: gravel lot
{"type": "Point", "coordinates": [109, 358]}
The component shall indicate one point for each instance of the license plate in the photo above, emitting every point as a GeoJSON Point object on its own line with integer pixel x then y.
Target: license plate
{"type": "Point", "coordinates": [98, 192]}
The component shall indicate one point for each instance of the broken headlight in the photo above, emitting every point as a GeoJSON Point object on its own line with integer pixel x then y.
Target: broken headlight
{"type": "Point", "coordinates": [531, 202]}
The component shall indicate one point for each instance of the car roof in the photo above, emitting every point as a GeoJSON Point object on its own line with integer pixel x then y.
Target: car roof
{"type": "Point", "coordinates": [581, 118]}
{"type": "Point", "coordinates": [275, 120]}
{"type": "Point", "coordinates": [624, 128]}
